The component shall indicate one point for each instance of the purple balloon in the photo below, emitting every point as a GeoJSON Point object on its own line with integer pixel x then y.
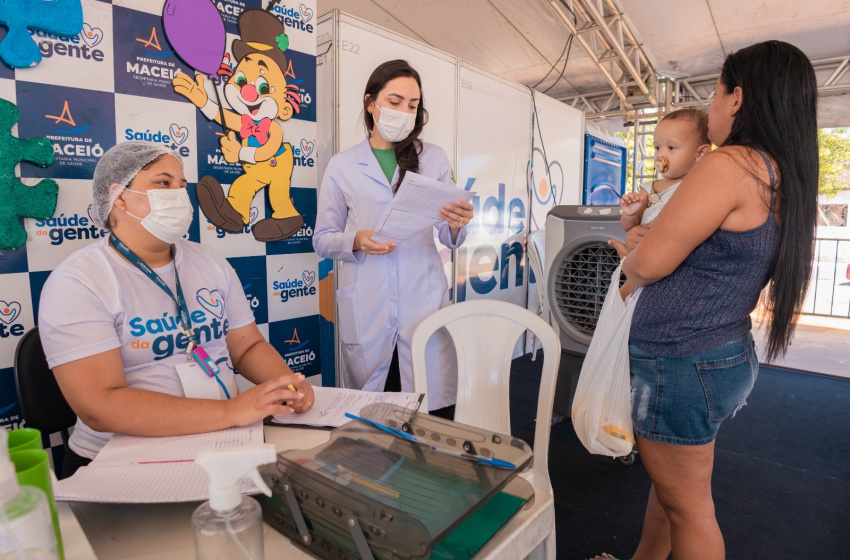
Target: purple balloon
{"type": "Point", "coordinates": [196, 32]}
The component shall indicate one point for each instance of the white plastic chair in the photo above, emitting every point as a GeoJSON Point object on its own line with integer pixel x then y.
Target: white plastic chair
{"type": "Point", "coordinates": [536, 251]}
{"type": "Point", "coordinates": [485, 333]}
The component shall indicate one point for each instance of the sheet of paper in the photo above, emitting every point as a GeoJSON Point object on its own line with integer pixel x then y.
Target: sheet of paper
{"type": "Point", "coordinates": [142, 470]}
{"type": "Point", "coordinates": [416, 207]}
{"type": "Point", "coordinates": [332, 403]}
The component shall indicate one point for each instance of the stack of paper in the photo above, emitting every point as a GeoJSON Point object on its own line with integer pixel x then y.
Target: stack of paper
{"type": "Point", "coordinates": [332, 404]}
{"type": "Point", "coordinates": [141, 470]}
{"type": "Point", "coordinates": [416, 207]}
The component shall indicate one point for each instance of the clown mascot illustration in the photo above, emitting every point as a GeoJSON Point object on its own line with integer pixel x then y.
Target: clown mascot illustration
{"type": "Point", "coordinates": [260, 101]}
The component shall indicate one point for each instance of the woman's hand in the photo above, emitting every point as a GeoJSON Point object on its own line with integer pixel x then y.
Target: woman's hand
{"type": "Point", "coordinates": [363, 242]}
{"type": "Point", "coordinates": [636, 235]}
{"type": "Point", "coordinates": [457, 215]}
{"type": "Point", "coordinates": [633, 238]}
{"type": "Point", "coordinates": [267, 399]}
{"type": "Point", "coordinates": [306, 402]}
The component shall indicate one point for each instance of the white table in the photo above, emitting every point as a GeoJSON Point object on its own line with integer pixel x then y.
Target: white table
{"type": "Point", "coordinates": [74, 540]}
{"type": "Point", "coordinates": [164, 531]}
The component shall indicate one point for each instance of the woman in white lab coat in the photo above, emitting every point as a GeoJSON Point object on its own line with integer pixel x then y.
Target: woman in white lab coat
{"type": "Point", "coordinates": [386, 290]}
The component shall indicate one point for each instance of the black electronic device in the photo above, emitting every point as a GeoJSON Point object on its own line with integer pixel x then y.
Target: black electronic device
{"type": "Point", "coordinates": [368, 493]}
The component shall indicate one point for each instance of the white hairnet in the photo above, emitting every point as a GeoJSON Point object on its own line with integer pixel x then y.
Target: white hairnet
{"type": "Point", "coordinates": [120, 164]}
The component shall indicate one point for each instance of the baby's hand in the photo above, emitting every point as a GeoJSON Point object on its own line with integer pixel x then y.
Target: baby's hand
{"type": "Point", "coordinates": [631, 203]}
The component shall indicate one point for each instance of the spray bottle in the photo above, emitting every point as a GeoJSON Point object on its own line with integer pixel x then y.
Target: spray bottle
{"type": "Point", "coordinates": [26, 529]}
{"type": "Point", "coordinates": [230, 526]}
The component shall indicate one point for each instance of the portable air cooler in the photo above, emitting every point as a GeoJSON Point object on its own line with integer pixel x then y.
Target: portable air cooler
{"type": "Point", "coordinates": [578, 268]}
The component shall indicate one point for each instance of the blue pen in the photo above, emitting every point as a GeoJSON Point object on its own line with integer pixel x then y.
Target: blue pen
{"type": "Point", "coordinates": [410, 437]}
{"type": "Point", "coordinates": [492, 462]}
{"type": "Point", "coordinates": [393, 431]}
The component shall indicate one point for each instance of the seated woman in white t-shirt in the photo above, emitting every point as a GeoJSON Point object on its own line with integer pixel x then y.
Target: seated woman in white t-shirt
{"type": "Point", "coordinates": [126, 358]}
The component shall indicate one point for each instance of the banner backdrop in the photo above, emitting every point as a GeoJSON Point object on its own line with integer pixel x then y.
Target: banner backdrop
{"type": "Point", "coordinates": [555, 176]}
{"type": "Point", "coordinates": [556, 160]}
{"type": "Point", "coordinates": [113, 83]}
{"type": "Point", "coordinates": [494, 140]}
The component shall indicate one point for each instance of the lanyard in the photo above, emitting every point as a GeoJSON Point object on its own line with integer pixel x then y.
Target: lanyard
{"type": "Point", "coordinates": [192, 348]}
{"type": "Point", "coordinates": [182, 311]}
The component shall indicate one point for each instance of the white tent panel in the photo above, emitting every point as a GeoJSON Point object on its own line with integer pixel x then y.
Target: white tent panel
{"type": "Point", "coordinates": [690, 38]}
{"type": "Point", "coordinates": [521, 40]}
{"type": "Point", "coordinates": [363, 49]}
{"type": "Point", "coordinates": [834, 111]}
{"type": "Point", "coordinates": [679, 37]}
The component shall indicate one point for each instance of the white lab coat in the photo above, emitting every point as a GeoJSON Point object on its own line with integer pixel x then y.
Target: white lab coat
{"type": "Point", "coordinates": [383, 298]}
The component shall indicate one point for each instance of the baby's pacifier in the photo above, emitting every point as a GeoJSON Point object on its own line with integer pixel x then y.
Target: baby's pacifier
{"type": "Point", "coordinates": [661, 164]}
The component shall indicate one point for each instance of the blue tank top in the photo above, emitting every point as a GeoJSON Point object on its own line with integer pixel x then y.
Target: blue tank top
{"type": "Point", "coordinates": [708, 299]}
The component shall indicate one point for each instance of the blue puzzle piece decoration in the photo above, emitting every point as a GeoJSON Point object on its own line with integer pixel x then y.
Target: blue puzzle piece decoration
{"type": "Point", "coordinates": [16, 199]}
{"type": "Point", "coordinates": [60, 17]}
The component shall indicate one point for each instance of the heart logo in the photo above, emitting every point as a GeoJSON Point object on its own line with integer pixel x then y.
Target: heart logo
{"type": "Point", "coordinates": [178, 133]}
{"type": "Point", "coordinates": [556, 172]}
{"type": "Point", "coordinates": [547, 184]}
{"type": "Point", "coordinates": [88, 211]}
{"type": "Point", "coordinates": [306, 12]}
{"type": "Point", "coordinates": [9, 311]}
{"type": "Point", "coordinates": [309, 277]}
{"type": "Point", "coordinates": [91, 35]}
{"type": "Point", "coordinates": [254, 213]}
{"type": "Point", "coordinates": [306, 148]}
{"type": "Point", "coordinates": [212, 301]}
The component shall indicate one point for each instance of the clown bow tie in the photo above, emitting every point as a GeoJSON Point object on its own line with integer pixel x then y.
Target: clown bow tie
{"type": "Point", "coordinates": [260, 130]}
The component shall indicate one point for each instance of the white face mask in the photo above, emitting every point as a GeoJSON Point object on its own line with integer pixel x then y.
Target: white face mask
{"type": "Point", "coordinates": [394, 125]}
{"type": "Point", "coordinates": [170, 216]}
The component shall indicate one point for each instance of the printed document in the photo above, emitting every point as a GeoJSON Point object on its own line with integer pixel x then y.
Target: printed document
{"type": "Point", "coordinates": [141, 470]}
{"type": "Point", "coordinates": [332, 403]}
{"type": "Point", "coordinates": [416, 207]}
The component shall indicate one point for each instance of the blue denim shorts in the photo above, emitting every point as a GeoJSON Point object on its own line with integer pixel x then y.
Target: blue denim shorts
{"type": "Point", "coordinates": [684, 400]}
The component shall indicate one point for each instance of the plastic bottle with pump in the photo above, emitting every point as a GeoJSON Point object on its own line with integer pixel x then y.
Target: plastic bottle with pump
{"type": "Point", "coordinates": [26, 529]}
{"type": "Point", "coordinates": [230, 526]}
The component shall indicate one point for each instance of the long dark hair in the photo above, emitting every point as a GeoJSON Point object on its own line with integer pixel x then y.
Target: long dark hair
{"type": "Point", "coordinates": [779, 115]}
{"type": "Point", "coordinates": [407, 151]}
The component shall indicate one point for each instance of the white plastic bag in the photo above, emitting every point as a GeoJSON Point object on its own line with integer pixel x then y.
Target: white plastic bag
{"type": "Point", "coordinates": [602, 404]}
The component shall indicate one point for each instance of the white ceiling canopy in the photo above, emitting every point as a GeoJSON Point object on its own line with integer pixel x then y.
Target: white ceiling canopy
{"type": "Point", "coordinates": [523, 40]}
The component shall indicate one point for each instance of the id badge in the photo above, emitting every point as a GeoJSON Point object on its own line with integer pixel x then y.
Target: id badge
{"type": "Point", "coordinates": [201, 378]}
{"type": "Point", "coordinates": [196, 383]}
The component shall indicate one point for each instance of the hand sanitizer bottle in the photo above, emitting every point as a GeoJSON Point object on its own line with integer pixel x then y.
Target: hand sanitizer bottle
{"type": "Point", "coordinates": [230, 526]}
{"type": "Point", "coordinates": [26, 529]}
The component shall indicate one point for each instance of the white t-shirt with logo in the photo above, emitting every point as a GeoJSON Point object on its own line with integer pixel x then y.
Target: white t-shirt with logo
{"type": "Point", "coordinates": [95, 301]}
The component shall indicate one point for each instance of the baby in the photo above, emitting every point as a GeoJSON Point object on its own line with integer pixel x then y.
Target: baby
{"type": "Point", "coordinates": [681, 139]}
